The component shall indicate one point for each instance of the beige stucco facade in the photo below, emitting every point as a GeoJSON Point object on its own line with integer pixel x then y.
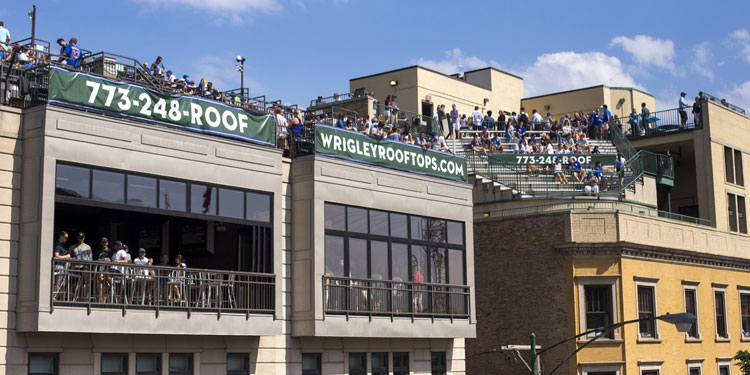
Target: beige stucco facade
{"type": "Point", "coordinates": [619, 100]}
{"type": "Point", "coordinates": [488, 89]}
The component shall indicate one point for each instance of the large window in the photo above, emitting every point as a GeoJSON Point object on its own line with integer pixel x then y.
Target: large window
{"type": "Point", "coordinates": [181, 364]}
{"type": "Point", "coordinates": [238, 364]}
{"type": "Point", "coordinates": [44, 364]}
{"type": "Point", "coordinates": [733, 166]}
{"type": "Point", "coordinates": [736, 212]}
{"type": "Point", "coordinates": [691, 306]}
{"type": "Point", "coordinates": [745, 313]}
{"type": "Point", "coordinates": [153, 192]}
{"type": "Point", "coordinates": [721, 314]}
{"type": "Point", "coordinates": [439, 365]}
{"type": "Point", "coordinates": [647, 310]}
{"type": "Point", "coordinates": [379, 363]}
{"type": "Point", "coordinates": [114, 364]}
{"type": "Point", "coordinates": [598, 301]}
{"type": "Point", "coordinates": [401, 363]}
{"type": "Point", "coordinates": [311, 364]}
{"type": "Point", "coordinates": [372, 244]}
{"type": "Point", "coordinates": [357, 363]}
{"type": "Point", "coordinates": [148, 364]}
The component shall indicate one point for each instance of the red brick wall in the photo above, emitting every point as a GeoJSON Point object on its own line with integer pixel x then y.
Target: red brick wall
{"type": "Point", "coordinates": [520, 288]}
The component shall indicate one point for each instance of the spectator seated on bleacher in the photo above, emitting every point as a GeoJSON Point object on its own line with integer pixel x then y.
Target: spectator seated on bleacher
{"type": "Point", "coordinates": [477, 146]}
{"type": "Point", "coordinates": [591, 184]}
{"type": "Point", "coordinates": [575, 168]}
{"type": "Point", "coordinates": [558, 171]}
{"type": "Point", "coordinates": [421, 141]}
{"type": "Point", "coordinates": [438, 143]}
{"type": "Point", "coordinates": [496, 144]}
{"type": "Point", "coordinates": [510, 132]}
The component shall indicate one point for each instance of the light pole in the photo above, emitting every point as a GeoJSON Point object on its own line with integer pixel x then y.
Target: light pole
{"type": "Point", "coordinates": [682, 321]}
{"type": "Point", "coordinates": [32, 15]}
{"type": "Point", "coordinates": [241, 69]}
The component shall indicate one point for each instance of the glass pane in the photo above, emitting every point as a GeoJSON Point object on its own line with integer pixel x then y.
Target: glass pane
{"type": "Point", "coordinates": [172, 195]}
{"type": "Point", "coordinates": [732, 210]}
{"type": "Point", "coordinates": [202, 199]}
{"type": "Point", "coordinates": [738, 174]}
{"type": "Point", "coordinates": [357, 258]}
{"type": "Point", "coordinates": [236, 362]}
{"type": "Point", "coordinates": [455, 233]}
{"type": "Point", "coordinates": [334, 256]}
{"type": "Point", "coordinates": [179, 362]}
{"type": "Point", "coordinates": [147, 362]}
{"type": "Point", "coordinates": [438, 267]}
{"type": "Point", "coordinates": [400, 363]}
{"type": "Point", "coordinates": [231, 203]}
{"type": "Point", "coordinates": [108, 186]}
{"type": "Point", "coordinates": [378, 223]}
{"type": "Point", "coordinates": [741, 214]}
{"type": "Point", "coordinates": [335, 216]}
{"type": "Point", "coordinates": [41, 364]}
{"type": "Point", "coordinates": [400, 262]}
{"type": "Point", "coordinates": [357, 364]}
{"type": "Point", "coordinates": [456, 266]}
{"type": "Point", "coordinates": [419, 265]}
{"type": "Point", "coordinates": [113, 363]}
{"type": "Point", "coordinates": [379, 260]}
{"type": "Point", "coordinates": [72, 181]}
{"type": "Point", "coordinates": [356, 220]}
{"type": "Point", "coordinates": [310, 361]}
{"type": "Point", "coordinates": [398, 226]}
{"type": "Point", "coordinates": [379, 363]}
{"type": "Point", "coordinates": [436, 231]}
{"type": "Point", "coordinates": [419, 228]}
{"type": "Point", "coordinates": [258, 207]}
{"type": "Point", "coordinates": [142, 191]}
{"type": "Point", "coordinates": [728, 164]}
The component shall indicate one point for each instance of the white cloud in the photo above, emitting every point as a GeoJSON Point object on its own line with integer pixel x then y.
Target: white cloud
{"type": "Point", "coordinates": [741, 39]}
{"type": "Point", "coordinates": [570, 70]}
{"type": "Point", "coordinates": [222, 72]}
{"type": "Point", "coordinates": [231, 10]}
{"type": "Point", "coordinates": [701, 58]}
{"type": "Point", "coordinates": [738, 95]}
{"type": "Point", "coordinates": [455, 61]}
{"type": "Point", "coordinates": [648, 51]}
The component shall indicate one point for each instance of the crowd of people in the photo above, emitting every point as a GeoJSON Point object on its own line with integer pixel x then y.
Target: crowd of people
{"type": "Point", "coordinates": [116, 256]}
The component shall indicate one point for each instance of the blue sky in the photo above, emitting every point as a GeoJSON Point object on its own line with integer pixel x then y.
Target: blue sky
{"type": "Point", "coordinates": [299, 49]}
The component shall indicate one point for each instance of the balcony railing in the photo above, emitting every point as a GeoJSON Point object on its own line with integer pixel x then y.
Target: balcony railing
{"type": "Point", "coordinates": [661, 122]}
{"type": "Point", "coordinates": [331, 99]}
{"type": "Point", "coordinates": [725, 103]}
{"type": "Point", "coordinates": [390, 298]}
{"type": "Point", "coordinates": [125, 286]}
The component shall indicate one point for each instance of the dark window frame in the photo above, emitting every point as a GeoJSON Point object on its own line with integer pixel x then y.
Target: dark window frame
{"type": "Point", "coordinates": [358, 371]}
{"type": "Point", "coordinates": [125, 360]}
{"type": "Point", "coordinates": [745, 313]}
{"type": "Point", "coordinates": [438, 363]}
{"type": "Point", "coordinates": [191, 364]}
{"type": "Point", "coordinates": [720, 313]}
{"type": "Point", "coordinates": [401, 369]}
{"type": "Point", "coordinates": [379, 371]}
{"type": "Point", "coordinates": [318, 364]}
{"type": "Point", "coordinates": [56, 362]}
{"type": "Point", "coordinates": [245, 359]}
{"type": "Point", "coordinates": [89, 201]}
{"type": "Point", "coordinates": [607, 313]}
{"type": "Point", "coordinates": [737, 213]}
{"type": "Point", "coordinates": [692, 307]}
{"type": "Point", "coordinates": [158, 357]}
{"type": "Point", "coordinates": [646, 295]}
{"type": "Point", "coordinates": [390, 240]}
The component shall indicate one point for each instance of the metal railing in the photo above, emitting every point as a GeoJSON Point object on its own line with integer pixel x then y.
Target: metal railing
{"type": "Point", "coordinates": [394, 298]}
{"type": "Point", "coordinates": [661, 122]}
{"type": "Point", "coordinates": [126, 286]}
{"type": "Point", "coordinates": [400, 119]}
{"type": "Point", "coordinates": [588, 206]}
{"type": "Point", "coordinates": [724, 103]}
{"type": "Point", "coordinates": [331, 99]}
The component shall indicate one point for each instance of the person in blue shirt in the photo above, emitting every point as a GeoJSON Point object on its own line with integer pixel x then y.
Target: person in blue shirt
{"type": "Point", "coordinates": [575, 168]}
{"type": "Point", "coordinates": [599, 173]}
{"type": "Point", "coordinates": [157, 68]}
{"type": "Point", "coordinates": [496, 143]}
{"type": "Point", "coordinates": [596, 125]}
{"type": "Point", "coordinates": [4, 40]}
{"type": "Point", "coordinates": [477, 146]}
{"type": "Point", "coordinates": [489, 122]}
{"type": "Point", "coordinates": [73, 53]}
{"type": "Point", "coordinates": [634, 128]}
{"type": "Point", "coordinates": [340, 122]}
{"type": "Point", "coordinates": [521, 131]}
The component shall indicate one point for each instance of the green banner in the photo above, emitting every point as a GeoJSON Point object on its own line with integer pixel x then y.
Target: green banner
{"type": "Point", "coordinates": [189, 112]}
{"type": "Point", "coordinates": [355, 146]}
{"type": "Point", "coordinates": [542, 159]}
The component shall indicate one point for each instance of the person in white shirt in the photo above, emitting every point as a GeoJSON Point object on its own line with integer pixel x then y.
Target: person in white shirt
{"type": "Point", "coordinates": [121, 256]}
{"type": "Point", "coordinates": [476, 118]}
{"type": "Point", "coordinates": [281, 129]}
{"type": "Point", "coordinates": [438, 143]}
{"type": "Point", "coordinates": [536, 119]}
{"type": "Point", "coordinates": [375, 129]}
{"type": "Point", "coordinates": [144, 275]}
{"type": "Point", "coordinates": [683, 110]}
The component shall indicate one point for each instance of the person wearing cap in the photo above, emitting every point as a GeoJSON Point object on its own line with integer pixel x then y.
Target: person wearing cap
{"type": "Point", "coordinates": [683, 110]}
{"type": "Point", "coordinates": [438, 143]}
{"type": "Point", "coordinates": [81, 250]}
{"type": "Point", "coordinates": [376, 128]}
{"type": "Point", "coordinates": [591, 184]}
{"type": "Point", "coordinates": [392, 134]}
{"type": "Point", "coordinates": [454, 121]}
{"type": "Point", "coordinates": [128, 257]}
{"type": "Point", "coordinates": [171, 78]}
{"type": "Point", "coordinates": [143, 274]}
{"type": "Point", "coordinates": [105, 254]}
